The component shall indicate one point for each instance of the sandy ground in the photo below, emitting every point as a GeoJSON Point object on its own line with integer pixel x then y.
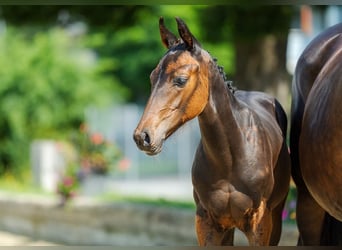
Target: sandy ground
{"type": "Point", "coordinates": [9, 239]}
{"type": "Point", "coordinates": [289, 238]}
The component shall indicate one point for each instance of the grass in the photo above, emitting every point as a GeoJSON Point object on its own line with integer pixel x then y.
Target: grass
{"type": "Point", "coordinates": [160, 202]}
{"type": "Point", "coordinates": [23, 184]}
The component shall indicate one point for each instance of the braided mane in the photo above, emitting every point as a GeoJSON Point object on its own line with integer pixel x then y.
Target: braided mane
{"type": "Point", "coordinates": [228, 82]}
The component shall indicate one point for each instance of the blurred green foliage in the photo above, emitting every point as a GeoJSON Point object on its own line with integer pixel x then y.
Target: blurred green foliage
{"type": "Point", "coordinates": [245, 22]}
{"type": "Point", "coordinates": [48, 76]}
{"type": "Point", "coordinates": [138, 48]}
{"type": "Point", "coordinates": [47, 79]}
{"type": "Point", "coordinates": [129, 34]}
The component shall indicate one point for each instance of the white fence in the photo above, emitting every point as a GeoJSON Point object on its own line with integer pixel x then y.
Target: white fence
{"type": "Point", "coordinates": [47, 164]}
{"type": "Point", "coordinates": [118, 123]}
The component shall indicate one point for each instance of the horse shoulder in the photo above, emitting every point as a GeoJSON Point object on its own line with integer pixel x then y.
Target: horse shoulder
{"type": "Point", "coordinates": [262, 107]}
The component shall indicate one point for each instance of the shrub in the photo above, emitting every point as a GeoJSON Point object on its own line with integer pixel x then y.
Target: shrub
{"type": "Point", "coordinates": [46, 81]}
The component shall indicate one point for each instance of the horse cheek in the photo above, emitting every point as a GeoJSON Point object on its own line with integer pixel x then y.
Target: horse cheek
{"type": "Point", "coordinates": [197, 103]}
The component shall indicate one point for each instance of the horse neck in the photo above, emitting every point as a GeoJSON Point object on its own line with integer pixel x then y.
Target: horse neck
{"type": "Point", "coordinates": [218, 124]}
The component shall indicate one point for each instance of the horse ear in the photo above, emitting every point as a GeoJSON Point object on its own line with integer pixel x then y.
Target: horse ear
{"type": "Point", "coordinates": [186, 35]}
{"type": "Point", "coordinates": [167, 37]}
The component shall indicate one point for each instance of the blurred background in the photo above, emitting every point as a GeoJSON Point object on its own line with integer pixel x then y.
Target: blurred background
{"type": "Point", "coordinates": [74, 81]}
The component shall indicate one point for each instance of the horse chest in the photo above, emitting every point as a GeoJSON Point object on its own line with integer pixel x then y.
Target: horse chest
{"type": "Point", "coordinates": [226, 206]}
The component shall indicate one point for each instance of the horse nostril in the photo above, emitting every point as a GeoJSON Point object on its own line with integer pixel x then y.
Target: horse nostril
{"type": "Point", "coordinates": [146, 138]}
{"type": "Point", "coordinates": [142, 139]}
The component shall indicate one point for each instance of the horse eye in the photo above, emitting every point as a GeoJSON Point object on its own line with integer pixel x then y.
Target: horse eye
{"type": "Point", "coordinates": [180, 81]}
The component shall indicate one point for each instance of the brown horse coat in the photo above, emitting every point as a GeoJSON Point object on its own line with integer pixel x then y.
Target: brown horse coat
{"type": "Point", "coordinates": [241, 169]}
{"type": "Point", "coordinates": [316, 138]}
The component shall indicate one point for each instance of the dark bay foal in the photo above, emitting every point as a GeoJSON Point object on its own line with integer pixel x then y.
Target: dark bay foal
{"type": "Point", "coordinates": [241, 170]}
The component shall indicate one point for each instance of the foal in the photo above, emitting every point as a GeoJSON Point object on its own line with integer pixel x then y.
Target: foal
{"type": "Point", "coordinates": [241, 169]}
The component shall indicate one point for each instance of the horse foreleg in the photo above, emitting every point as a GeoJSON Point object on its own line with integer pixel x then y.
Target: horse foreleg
{"type": "Point", "coordinates": [207, 233]}
{"type": "Point", "coordinates": [277, 223]}
{"type": "Point", "coordinates": [260, 227]}
{"type": "Point", "coordinates": [228, 238]}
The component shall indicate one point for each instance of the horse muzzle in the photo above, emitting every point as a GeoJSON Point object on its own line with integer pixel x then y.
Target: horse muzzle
{"type": "Point", "coordinates": [145, 143]}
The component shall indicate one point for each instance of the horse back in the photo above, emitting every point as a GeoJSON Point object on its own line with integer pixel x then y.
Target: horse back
{"type": "Point", "coordinates": [267, 108]}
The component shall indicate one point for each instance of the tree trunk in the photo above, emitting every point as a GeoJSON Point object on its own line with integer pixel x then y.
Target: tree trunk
{"type": "Point", "coordinates": [261, 66]}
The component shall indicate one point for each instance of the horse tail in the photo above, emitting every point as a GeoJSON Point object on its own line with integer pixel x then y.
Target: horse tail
{"type": "Point", "coordinates": [331, 231]}
{"type": "Point", "coordinates": [281, 118]}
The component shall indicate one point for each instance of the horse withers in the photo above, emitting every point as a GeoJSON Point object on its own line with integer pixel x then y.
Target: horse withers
{"type": "Point", "coordinates": [241, 170]}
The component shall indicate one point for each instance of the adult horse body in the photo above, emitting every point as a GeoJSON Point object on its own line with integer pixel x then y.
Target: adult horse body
{"type": "Point", "coordinates": [241, 169]}
{"type": "Point", "coordinates": [316, 139]}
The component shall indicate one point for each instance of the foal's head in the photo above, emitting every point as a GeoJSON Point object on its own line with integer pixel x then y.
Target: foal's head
{"type": "Point", "coordinates": [179, 89]}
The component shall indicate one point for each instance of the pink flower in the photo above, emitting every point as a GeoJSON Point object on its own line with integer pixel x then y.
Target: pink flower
{"type": "Point", "coordinates": [85, 163]}
{"type": "Point", "coordinates": [59, 146]}
{"type": "Point", "coordinates": [96, 138]}
{"type": "Point", "coordinates": [124, 164]}
{"type": "Point", "coordinates": [68, 181]}
{"type": "Point", "coordinates": [284, 214]}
